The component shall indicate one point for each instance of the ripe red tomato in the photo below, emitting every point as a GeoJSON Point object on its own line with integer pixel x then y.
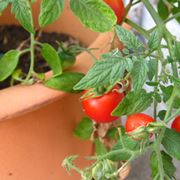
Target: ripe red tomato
{"type": "Point", "coordinates": [118, 8]}
{"type": "Point", "coordinates": [176, 124]}
{"type": "Point", "coordinates": [136, 120]}
{"type": "Point", "coordinates": [100, 108]}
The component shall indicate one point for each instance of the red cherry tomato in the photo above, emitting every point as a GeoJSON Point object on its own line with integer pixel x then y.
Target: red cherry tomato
{"type": "Point", "coordinates": [176, 124]}
{"type": "Point", "coordinates": [100, 108]}
{"type": "Point", "coordinates": [137, 120]}
{"type": "Point", "coordinates": [118, 8]}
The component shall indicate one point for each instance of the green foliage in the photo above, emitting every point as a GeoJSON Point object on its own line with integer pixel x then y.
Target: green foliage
{"type": "Point", "coordinates": [163, 9]}
{"type": "Point", "coordinates": [128, 38]}
{"type": "Point", "coordinates": [154, 41]}
{"type": "Point", "coordinates": [23, 12]}
{"type": "Point", "coordinates": [168, 167]}
{"type": "Point", "coordinates": [8, 63]}
{"type": "Point", "coordinates": [94, 14]}
{"type": "Point", "coordinates": [109, 70]}
{"type": "Point", "coordinates": [84, 129]}
{"type": "Point", "coordinates": [50, 11]}
{"type": "Point", "coordinates": [171, 143]}
{"type": "Point", "coordinates": [139, 74]}
{"type": "Point", "coordinates": [134, 102]}
{"type": "Point", "coordinates": [64, 82]}
{"type": "Point", "coordinates": [152, 68]}
{"type": "Point", "coordinates": [100, 147]}
{"type": "Point", "coordinates": [3, 5]}
{"type": "Point", "coordinates": [51, 56]}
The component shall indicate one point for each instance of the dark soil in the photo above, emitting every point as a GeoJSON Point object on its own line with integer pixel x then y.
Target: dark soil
{"type": "Point", "coordinates": [12, 37]}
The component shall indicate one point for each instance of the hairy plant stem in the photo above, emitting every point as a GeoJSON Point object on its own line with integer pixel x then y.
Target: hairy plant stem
{"type": "Point", "coordinates": [156, 90]}
{"type": "Point", "coordinates": [157, 147]}
{"type": "Point", "coordinates": [31, 69]}
{"type": "Point", "coordinates": [171, 52]}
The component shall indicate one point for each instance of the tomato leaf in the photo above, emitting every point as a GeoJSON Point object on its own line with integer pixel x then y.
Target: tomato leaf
{"type": "Point", "coordinates": [152, 68]}
{"type": "Point", "coordinates": [128, 143]}
{"type": "Point", "coordinates": [139, 74]}
{"type": "Point", "coordinates": [155, 39]}
{"type": "Point", "coordinates": [162, 9]}
{"type": "Point", "coordinates": [167, 92]}
{"type": "Point", "coordinates": [134, 102]}
{"type": "Point", "coordinates": [94, 14]}
{"type": "Point", "coordinates": [168, 166]}
{"type": "Point", "coordinates": [23, 12]}
{"type": "Point", "coordinates": [50, 11]}
{"type": "Point", "coordinates": [162, 114]}
{"type": "Point", "coordinates": [117, 155]}
{"type": "Point", "coordinates": [3, 5]}
{"type": "Point", "coordinates": [171, 143]}
{"type": "Point", "coordinates": [84, 129]}
{"type": "Point", "coordinates": [109, 70]}
{"type": "Point", "coordinates": [100, 147]}
{"type": "Point", "coordinates": [128, 38]}
{"type": "Point", "coordinates": [8, 63]}
{"type": "Point", "coordinates": [64, 82]}
{"type": "Point", "coordinates": [51, 56]}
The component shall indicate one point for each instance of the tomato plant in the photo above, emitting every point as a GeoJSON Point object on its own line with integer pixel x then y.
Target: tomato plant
{"type": "Point", "coordinates": [118, 8]}
{"type": "Point", "coordinates": [176, 124]}
{"type": "Point", "coordinates": [100, 108]}
{"type": "Point", "coordinates": [139, 64]}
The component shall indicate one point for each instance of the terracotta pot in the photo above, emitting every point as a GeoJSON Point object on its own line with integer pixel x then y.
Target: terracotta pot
{"type": "Point", "coordinates": [37, 122]}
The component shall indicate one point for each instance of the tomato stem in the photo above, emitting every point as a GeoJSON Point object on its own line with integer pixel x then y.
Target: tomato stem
{"type": "Point", "coordinates": [31, 69]}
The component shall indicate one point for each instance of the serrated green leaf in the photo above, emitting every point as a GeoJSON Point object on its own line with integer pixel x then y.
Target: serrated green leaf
{"type": "Point", "coordinates": [168, 166]}
{"type": "Point", "coordinates": [162, 114]}
{"type": "Point", "coordinates": [100, 147]}
{"type": "Point", "coordinates": [94, 14]}
{"type": "Point", "coordinates": [139, 74]}
{"type": "Point", "coordinates": [68, 162]}
{"type": "Point", "coordinates": [51, 56]}
{"type": "Point", "coordinates": [117, 155]}
{"type": "Point", "coordinates": [175, 10]}
{"type": "Point", "coordinates": [128, 38]}
{"type": "Point", "coordinates": [102, 169]}
{"type": "Point", "coordinates": [107, 71]}
{"type": "Point", "coordinates": [152, 68]}
{"type": "Point", "coordinates": [8, 63]}
{"type": "Point", "coordinates": [128, 143]}
{"type": "Point", "coordinates": [50, 11]}
{"type": "Point", "coordinates": [3, 5]}
{"type": "Point", "coordinates": [64, 82]}
{"type": "Point", "coordinates": [163, 9]}
{"type": "Point", "coordinates": [155, 39]}
{"type": "Point", "coordinates": [171, 143]}
{"type": "Point", "coordinates": [134, 102]}
{"type": "Point", "coordinates": [23, 12]}
{"type": "Point", "coordinates": [84, 128]}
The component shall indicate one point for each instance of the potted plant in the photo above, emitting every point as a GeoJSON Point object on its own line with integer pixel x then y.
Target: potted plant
{"type": "Point", "coordinates": [115, 86]}
{"type": "Point", "coordinates": [37, 122]}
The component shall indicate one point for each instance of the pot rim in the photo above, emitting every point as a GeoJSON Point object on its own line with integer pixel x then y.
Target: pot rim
{"type": "Point", "coordinates": [21, 99]}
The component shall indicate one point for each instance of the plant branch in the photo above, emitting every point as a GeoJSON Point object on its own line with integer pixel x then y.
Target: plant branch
{"type": "Point", "coordinates": [31, 69]}
{"type": "Point", "coordinates": [137, 28]}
